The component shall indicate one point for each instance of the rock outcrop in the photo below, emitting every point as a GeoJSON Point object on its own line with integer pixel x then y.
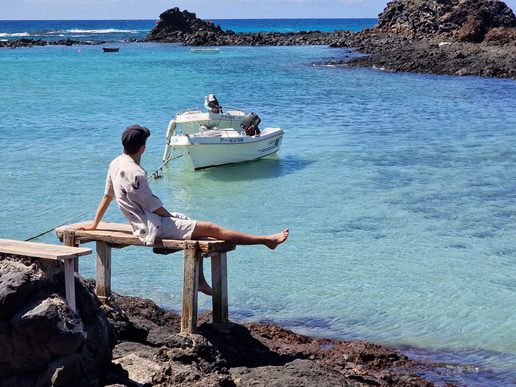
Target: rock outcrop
{"type": "Point", "coordinates": [184, 27]}
{"type": "Point", "coordinates": [176, 26]}
{"type": "Point", "coordinates": [259, 355]}
{"type": "Point", "coordinates": [42, 341]}
{"type": "Point", "coordinates": [443, 37]}
{"type": "Point", "coordinates": [464, 20]}
{"type": "Point", "coordinates": [28, 42]}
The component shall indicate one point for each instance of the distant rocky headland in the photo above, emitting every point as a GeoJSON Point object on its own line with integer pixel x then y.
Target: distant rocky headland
{"type": "Point", "coordinates": [444, 37]}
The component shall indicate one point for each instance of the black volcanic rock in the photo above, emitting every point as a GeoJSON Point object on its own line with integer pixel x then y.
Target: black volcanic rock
{"type": "Point", "coordinates": [42, 341]}
{"type": "Point", "coordinates": [466, 20]}
{"type": "Point", "coordinates": [259, 355]}
{"type": "Point", "coordinates": [444, 37]}
{"type": "Point", "coordinates": [175, 25]}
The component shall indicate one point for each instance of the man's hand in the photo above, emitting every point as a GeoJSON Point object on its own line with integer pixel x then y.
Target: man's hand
{"type": "Point", "coordinates": [89, 226]}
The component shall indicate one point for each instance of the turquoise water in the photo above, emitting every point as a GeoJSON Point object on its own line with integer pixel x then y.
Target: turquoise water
{"type": "Point", "coordinates": [399, 189]}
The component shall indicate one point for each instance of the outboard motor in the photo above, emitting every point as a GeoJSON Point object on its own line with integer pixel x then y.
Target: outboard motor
{"type": "Point", "coordinates": [250, 124]}
{"type": "Point", "coordinates": [211, 103]}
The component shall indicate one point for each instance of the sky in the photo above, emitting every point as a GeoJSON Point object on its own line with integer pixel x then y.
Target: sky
{"type": "Point", "coordinates": [204, 9]}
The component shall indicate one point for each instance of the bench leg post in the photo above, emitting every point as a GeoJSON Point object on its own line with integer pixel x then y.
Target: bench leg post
{"type": "Point", "coordinates": [70, 266]}
{"type": "Point", "coordinates": [70, 283]}
{"type": "Point", "coordinates": [220, 288]}
{"type": "Point", "coordinates": [69, 240]}
{"type": "Point", "coordinates": [103, 269]}
{"type": "Point", "coordinates": [190, 288]}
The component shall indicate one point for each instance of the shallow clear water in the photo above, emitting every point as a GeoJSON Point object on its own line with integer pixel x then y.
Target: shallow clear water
{"type": "Point", "coordinates": [399, 189]}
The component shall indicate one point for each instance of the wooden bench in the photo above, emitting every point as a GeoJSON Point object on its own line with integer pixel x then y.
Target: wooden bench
{"type": "Point", "coordinates": [70, 256]}
{"type": "Point", "coordinates": [108, 235]}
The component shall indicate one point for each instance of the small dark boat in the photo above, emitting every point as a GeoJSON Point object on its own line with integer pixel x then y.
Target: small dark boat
{"type": "Point", "coordinates": [110, 49]}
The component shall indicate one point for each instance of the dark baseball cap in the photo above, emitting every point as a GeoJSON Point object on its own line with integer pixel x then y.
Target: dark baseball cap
{"type": "Point", "coordinates": [134, 136]}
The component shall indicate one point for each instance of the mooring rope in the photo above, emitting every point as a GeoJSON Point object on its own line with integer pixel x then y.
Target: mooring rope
{"type": "Point", "coordinates": [155, 174]}
{"type": "Point", "coordinates": [149, 178]}
{"type": "Point", "coordinates": [62, 224]}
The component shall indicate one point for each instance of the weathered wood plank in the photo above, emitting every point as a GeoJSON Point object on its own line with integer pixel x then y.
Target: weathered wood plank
{"type": "Point", "coordinates": [69, 240]}
{"type": "Point", "coordinates": [190, 288]}
{"type": "Point", "coordinates": [41, 250]}
{"type": "Point", "coordinates": [103, 271]}
{"type": "Point", "coordinates": [118, 234]}
{"type": "Point", "coordinates": [70, 283]}
{"type": "Point", "coordinates": [69, 254]}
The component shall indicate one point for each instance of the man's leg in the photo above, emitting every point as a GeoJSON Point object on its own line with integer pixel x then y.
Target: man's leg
{"type": "Point", "coordinates": [211, 230]}
{"type": "Point", "coordinates": [203, 285]}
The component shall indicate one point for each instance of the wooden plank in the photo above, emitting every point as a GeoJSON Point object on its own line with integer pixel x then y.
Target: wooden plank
{"type": "Point", "coordinates": [69, 240]}
{"type": "Point", "coordinates": [190, 288]}
{"type": "Point", "coordinates": [70, 284]}
{"type": "Point", "coordinates": [220, 288]}
{"type": "Point", "coordinates": [103, 270]}
{"type": "Point", "coordinates": [41, 250]}
{"type": "Point", "coordinates": [119, 234]}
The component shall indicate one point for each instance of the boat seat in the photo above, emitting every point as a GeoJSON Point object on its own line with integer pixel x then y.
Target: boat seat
{"type": "Point", "coordinates": [235, 113]}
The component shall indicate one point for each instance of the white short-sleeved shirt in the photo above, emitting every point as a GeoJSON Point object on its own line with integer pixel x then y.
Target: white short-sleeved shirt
{"type": "Point", "coordinates": [127, 183]}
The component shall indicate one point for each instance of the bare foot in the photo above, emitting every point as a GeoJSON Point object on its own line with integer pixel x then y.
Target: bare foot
{"type": "Point", "coordinates": [205, 288]}
{"type": "Point", "coordinates": [276, 239]}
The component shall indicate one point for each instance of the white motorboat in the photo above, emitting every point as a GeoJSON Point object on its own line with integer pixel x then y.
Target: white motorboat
{"type": "Point", "coordinates": [215, 145]}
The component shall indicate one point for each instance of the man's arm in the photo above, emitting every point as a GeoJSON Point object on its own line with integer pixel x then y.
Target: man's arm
{"type": "Point", "coordinates": [163, 212]}
{"type": "Point", "coordinates": [101, 210]}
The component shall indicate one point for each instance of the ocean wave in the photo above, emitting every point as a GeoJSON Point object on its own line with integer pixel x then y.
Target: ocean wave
{"type": "Point", "coordinates": [14, 35]}
{"type": "Point", "coordinates": [103, 31]}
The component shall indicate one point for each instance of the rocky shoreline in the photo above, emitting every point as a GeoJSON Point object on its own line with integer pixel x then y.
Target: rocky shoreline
{"type": "Point", "coordinates": [436, 56]}
{"type": "Point", "coordinates": [445, 37]}
{"type": "Point", "coordinates": [132, 342]}
{"type": "Point", "coordinates": [260, 355]}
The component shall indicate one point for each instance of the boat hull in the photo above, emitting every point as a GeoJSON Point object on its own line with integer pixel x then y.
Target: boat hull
{"type": "Point", "coordinates": [223, 147]}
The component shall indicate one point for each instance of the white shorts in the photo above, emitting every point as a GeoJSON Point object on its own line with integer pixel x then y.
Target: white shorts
{"type": "Point", "coordinates": [178, 226]}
